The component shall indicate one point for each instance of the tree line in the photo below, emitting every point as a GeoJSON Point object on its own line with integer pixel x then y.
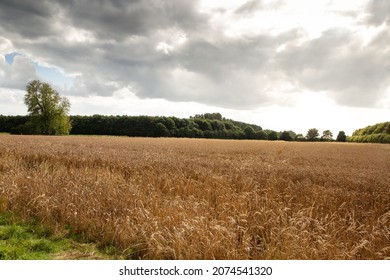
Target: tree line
{"type": "Point", "coordinates": [198, 126]}
{"type": "Point", "coordinates": [144, 126]}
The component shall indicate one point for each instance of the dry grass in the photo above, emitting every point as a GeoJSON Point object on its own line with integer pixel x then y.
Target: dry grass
{"type": "Point", "coordinates": [204, 199]}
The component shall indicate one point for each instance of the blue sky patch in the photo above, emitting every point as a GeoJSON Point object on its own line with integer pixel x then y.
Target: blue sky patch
{"type": "Point", "coordinates": [10, 57]}
{"type": "Point", "coordinates": [53, 76]}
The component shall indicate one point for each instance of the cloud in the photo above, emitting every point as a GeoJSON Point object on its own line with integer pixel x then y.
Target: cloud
{"type": "Point", "coordinates": [17, 75]}
{"type": "Point", "coordinates": [248, 8]}
{"type": "Point", "coordinates": [12, 102]}
{"type": "Point", "coordinates": [229, 72]}
{"type": "Point", "coordinates": [120, 19]}
{"type": "Point", "coordinates": [29, 19]}
{"type": "Point", "coordinates": [172, 50]}
{"type": "Point", "coordinates": [379, 12]}
{"type": "Point", "coordinates": [338, 63]}
{"type": "Point", "coordinates": [5, 46]}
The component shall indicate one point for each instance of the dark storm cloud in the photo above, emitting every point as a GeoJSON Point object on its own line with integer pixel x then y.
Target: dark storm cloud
{"type": "Point", "coordinates": [29, 19]}
{"type": "Point", "coordinates": [121, 18]}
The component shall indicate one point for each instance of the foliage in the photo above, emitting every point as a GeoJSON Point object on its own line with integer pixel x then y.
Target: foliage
{"type": "Point", "coordinates": [12, 124]}
{"type": "Point", "coordinates": [261, 135]}
{"type": "Point", "coordinates": [373, 129]}
{"type": "Point", "coordinates": [292, 134]}
{"type": "Point", "coordinates": [285, 136]}
{"type": "Point", "coordinates": [203, 124]}
{"type": "Point", "coordinates": [299, 137]}
{"type": "Point", "coordinates": [161, 130]}
{"type": "Point", "coordinates": [312, 134]}
{"type": "Point", "coordinates": [209, 116]}
{"type": "Point", "coordinates": [209, 125]}
{"type": "Point", "coordinates": [250, 133]}
{"type": "Point", "coordinates": [272, 135]}
{"type": "Point", "coordinates": [371, 138]}
{"type": "Point", "coordinates": [47, 109]}
{"type": "Point", "coordinates": [378, 133]}
{"type": "Point", "coordinates": [148, 126]}
{"type": "Point", "coordinates": [341, 137]}
{"type": "Point", "coordinates": [327, 136]}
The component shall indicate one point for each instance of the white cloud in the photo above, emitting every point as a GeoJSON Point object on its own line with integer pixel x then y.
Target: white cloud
{"type": "Point", "coordinates": [11, 101]}
{"type": "Point", "coordinates": [75, 35]}
{"type": "Point", "coordinates": [6, 46]}
{"type": "Point", "coordinates": [17, 75]}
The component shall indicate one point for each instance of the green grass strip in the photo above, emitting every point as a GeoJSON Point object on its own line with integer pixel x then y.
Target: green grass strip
{"type": "Point", "coordinates": [23, 240]}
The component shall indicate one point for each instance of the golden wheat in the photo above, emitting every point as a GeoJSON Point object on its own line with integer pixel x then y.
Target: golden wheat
{"type": "Point", "coordinates": [204, 199]}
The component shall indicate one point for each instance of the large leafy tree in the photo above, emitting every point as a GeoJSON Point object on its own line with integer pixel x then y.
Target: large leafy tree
{"type": "Point", "coordinates": [341, 137]}
{"type": "Point", "coordinates": [312, 134]}
{"type": "Point", "coordinates": [327, 135]}
{"type": "Point", "coordinates": [47, 109]}
{"type": "Point", "coordinates": [250, 133]}
{"type": "Point", "coordinates": [272, 135]}
{"type": "Point", "coordinates": [285, 136]}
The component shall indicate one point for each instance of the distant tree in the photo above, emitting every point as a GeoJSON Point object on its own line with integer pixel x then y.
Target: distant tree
{"type": "Point", "coordinates": [47, 109]}
{"type": "Point", "coordinates": [217, 125]}
{"type": "Point", "coordinates": [196, 133]}
{"type": "Point", "coordinates": [327, 135]}
{"type": "Point", "coordinates": [167, 121]}
{"type": "Point", "coordinates": [12, 123]}
{"type": "Point", "coordinates": [373, 129]}
{"type": "Point", "coordinates": [292, 134]}
{"type": "Point", "coordinates": [272, 135]}
{"type": "Point", "coordinates": [312, 134]}
{"type": "Point", "coordinates": [341, 137]}
{"type": "Point", "coordinates": [261, 135]}
{"type": "Point", "coordinates": [285, 136]}
{"type": "Point", "coordinates": [161, 130]}
{"type": "Point", "coordinates": [203, 124]}
{"type": "Point", "coordinates": [213, 116]}
{"type": "Point", "coordinates": [299, 137]}
{"type": "Point", "coordinates": [377, 133]}
{"type": "Point", "coordinates": [229, 125]}
{"type": "Point", "coordinates": [249, 132]}
{"type": "Point", "coordinates": [209, 116]}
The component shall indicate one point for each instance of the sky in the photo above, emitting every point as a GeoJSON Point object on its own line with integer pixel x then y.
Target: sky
{"type": "Point", "coordinates": [281, 64]}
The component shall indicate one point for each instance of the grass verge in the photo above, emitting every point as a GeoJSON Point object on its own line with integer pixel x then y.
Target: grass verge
{"type": "Point", "coordinates": [25, 240]}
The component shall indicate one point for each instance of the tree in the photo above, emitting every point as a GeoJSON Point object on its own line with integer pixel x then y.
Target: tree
{"type": "Point", "coordinates": [249, 132]}
{"type": "Point", "coordinates": [209, 116]}
{"type": "Point", "coordinates": [161, 130]}
{"type": "Point", "coordinates": [272, 135]}
{"type": "Point", "coordinates": [292, 134]}
{"type": "Point", "coordinates": [341, 137]}
{"type": "Point", "coordinates": [285, 136]}
{"type": "Point", "coordinates": [312, 134]}
{"type": "Point", "coordinates": [203, 124]}
{"type": "Point", "coordinates": [327, 135]}
{"type": "Point", "coordinates": [299, 137]}
{"type": "Point", "coordinates": [47, 109]}
{"type": "Point", "coordinates": [261, 135]}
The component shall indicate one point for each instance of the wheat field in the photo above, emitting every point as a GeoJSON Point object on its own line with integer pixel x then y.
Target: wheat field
{"type": "Point", "coordinates": [204, 199]}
